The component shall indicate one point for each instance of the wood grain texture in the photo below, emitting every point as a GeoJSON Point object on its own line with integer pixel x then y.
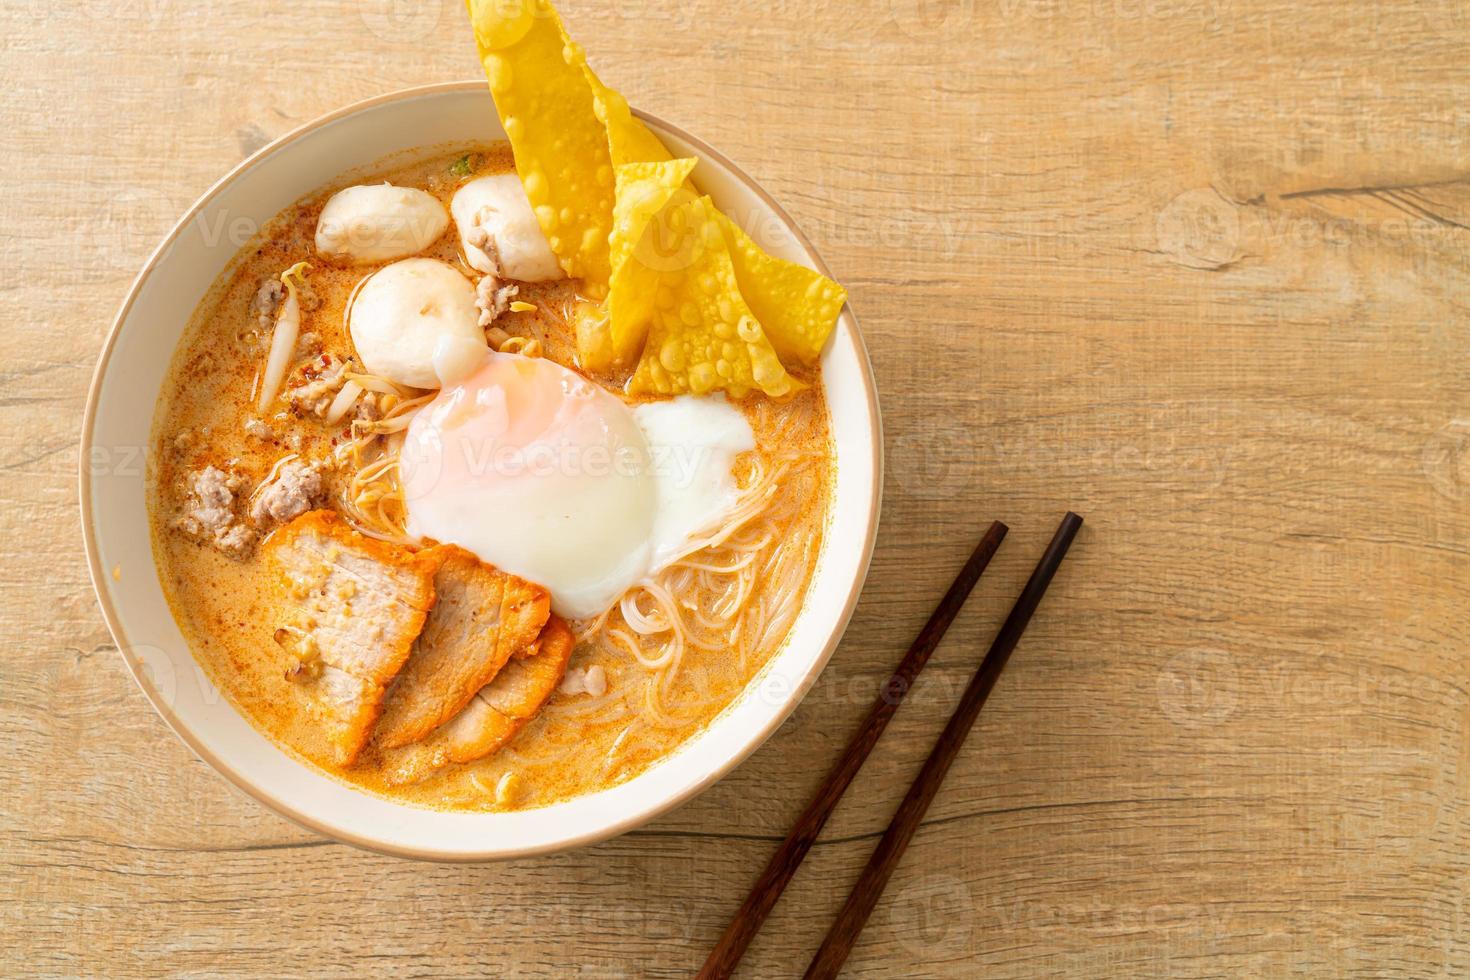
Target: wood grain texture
{"type": "Point", "coordinates": [1197, 270]}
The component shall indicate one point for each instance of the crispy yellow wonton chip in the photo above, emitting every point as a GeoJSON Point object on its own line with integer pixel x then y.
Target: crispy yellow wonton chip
{"type": "Point", "coordinates": [645, 178]}
{"type": "Point", "coordinates": [675, 286]}
{"type": "Point", "coordinates": [703, 336]}
{"type": "Point", "coordinates": [561, 148]}
{"type": "Point", "coordinates": [643, 192]}
{"type": "Point", "coordinates": [796, 306]}
{"type": "Point", "coordinates": [628, 140]}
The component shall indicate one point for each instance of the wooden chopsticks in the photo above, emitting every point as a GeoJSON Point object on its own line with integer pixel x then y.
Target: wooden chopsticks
{"type": "Point", "coordinates": [783, 864]}
{"type": "Point", "coordinates": [864, 896]}
{"type": "Point", "coordinates": [870, 884]}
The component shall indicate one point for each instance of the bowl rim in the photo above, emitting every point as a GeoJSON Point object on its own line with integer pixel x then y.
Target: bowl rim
{"type": "Point", "coordinates": [286, 808]}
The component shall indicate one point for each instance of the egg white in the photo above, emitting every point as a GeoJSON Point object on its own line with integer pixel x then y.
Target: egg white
{"type": "Point", "coordinates": [693, 442]}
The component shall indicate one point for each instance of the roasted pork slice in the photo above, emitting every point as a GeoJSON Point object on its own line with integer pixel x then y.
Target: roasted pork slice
{"type": "Point", "coordinates": [492, 718]}
{"type": "Point", "coordinates": [351, 608]}
{"type": "Point", "coordinates": [481, 617]}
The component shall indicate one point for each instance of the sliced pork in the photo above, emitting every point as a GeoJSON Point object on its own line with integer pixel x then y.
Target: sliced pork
{"type": "Point", "coordinates": [482, 617]}
{"type": "Point", "coordinates": [350, 610]}
{"type": "Point", "coordinates": [495, 714]}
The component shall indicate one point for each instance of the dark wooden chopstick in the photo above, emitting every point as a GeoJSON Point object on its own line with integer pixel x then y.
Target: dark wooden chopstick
{"type": "Point", "coordinates": [783, 864]}
{"type": "Point", "coordinates": [870, 884]}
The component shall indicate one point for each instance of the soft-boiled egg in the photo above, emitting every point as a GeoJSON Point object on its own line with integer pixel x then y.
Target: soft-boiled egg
{"type": "Point", "coordinates": [498, 206]}
{"type": "Point", "coordinates": [694, 442]}
{"type": "Point", "coordinates": [539, 472]}
{"type": "Point", "coordinates": [403, 310]}
{"type": "Point", "coordinates": [379, 222]}
{"type": "Point", "coordinates": [549, 476]}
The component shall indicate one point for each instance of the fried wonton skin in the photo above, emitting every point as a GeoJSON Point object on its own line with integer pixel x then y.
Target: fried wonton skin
{"type": "Point", "coordinates": [645, 191]}
{"type": "Point", "coordinates": [703, 336]}
{"type": "Point", "coordinates": [796, 306]}
{"type": "Point", "coordinates": [610, 199]}
{"type": "Point", "coordinates": [628, 139]}
{"type": "Point", "coordinates": [546, 107]}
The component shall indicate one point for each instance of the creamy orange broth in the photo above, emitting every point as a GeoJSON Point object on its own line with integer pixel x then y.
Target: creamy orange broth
{"type": "Point", "coordinates": [576, 744]}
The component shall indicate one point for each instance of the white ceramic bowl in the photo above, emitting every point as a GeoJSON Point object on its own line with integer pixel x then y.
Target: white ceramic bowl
{"type": "Point", "coordinates": [115, 437]}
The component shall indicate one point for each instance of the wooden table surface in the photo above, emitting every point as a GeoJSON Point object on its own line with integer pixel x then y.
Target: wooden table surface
{"type": "Point", "coordinates": [1197, 270]}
